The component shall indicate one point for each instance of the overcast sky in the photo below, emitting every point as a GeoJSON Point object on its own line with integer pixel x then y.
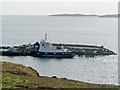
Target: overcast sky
{"type": "Point", "coordinates": [47, 8]}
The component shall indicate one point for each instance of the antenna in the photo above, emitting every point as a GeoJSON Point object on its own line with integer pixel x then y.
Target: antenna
{"type": "Point", "coordinates": [45, 36]}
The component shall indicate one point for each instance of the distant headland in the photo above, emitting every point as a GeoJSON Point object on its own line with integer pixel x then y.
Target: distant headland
{"type": "Point", "coordinates": [108, 15]}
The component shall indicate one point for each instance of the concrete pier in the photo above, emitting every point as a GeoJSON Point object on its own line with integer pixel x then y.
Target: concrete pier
{"type": "Point", "coordinates": [80, 50]}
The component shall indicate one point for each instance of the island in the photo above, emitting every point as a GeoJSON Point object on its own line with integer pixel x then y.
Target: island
{"type": "Point", "coordinates": [18, 76]}
{"type": "Point", "coordinates": [93, 15]}
{"type": "Point", "coordinates": [72, 15]}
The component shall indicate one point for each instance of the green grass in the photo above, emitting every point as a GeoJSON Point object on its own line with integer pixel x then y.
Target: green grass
{"type": "Point", "coordinates": [19, 76]}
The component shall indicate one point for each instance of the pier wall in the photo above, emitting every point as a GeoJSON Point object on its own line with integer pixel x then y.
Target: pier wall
{"type": "Point", "coordinates": [80, 50]}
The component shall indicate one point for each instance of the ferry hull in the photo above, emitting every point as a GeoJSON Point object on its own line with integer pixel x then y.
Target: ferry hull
{"type": "Point", "coordinates": [53, 54]}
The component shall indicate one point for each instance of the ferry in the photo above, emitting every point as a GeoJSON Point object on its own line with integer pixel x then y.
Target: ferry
{"type": "Point", "coordinates": [46, 49]}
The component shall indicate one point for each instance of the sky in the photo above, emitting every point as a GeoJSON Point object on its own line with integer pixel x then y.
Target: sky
{"type": "Point", "coordinates": [48, 7]}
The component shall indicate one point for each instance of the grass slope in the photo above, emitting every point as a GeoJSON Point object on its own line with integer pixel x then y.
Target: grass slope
{"type": "Point", "coordinates": [19, 76]}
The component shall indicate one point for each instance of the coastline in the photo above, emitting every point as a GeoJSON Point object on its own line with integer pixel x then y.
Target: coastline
{"type": "Point", "coordinates": [19, 76]}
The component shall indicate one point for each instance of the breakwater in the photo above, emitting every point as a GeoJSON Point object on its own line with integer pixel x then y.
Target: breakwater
{"type": "Point", "coordinates": [80, 50]}
{"type": "Point", "coordinates": [87, 50]}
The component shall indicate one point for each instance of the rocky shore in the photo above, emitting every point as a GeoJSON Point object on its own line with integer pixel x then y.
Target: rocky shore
{"type": "Point", "coordinates": [17, 76]}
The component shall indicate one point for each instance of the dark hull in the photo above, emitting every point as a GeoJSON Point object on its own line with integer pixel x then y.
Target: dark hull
{"type": "Point", "coordinates": [53, 54]}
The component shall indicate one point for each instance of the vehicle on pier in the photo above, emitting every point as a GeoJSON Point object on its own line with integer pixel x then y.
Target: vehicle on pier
{"type": "Point", "coordinates": [46, 49]}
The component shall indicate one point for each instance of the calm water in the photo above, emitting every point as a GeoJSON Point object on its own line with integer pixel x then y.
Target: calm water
{"type": "Point", "coordinates": [83, 30]}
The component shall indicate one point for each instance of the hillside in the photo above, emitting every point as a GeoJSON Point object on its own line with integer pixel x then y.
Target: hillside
{"type": "Point", "coordinates": [19, 76]}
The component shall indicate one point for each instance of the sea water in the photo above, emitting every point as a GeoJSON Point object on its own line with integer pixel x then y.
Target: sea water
{"type": "Point", "coordinates": [18, 30]}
